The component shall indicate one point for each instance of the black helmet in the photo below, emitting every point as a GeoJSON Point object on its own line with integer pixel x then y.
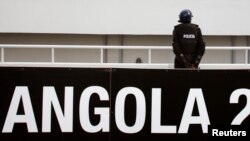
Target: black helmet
{"type": "Point", "coordinates": [185, 16]}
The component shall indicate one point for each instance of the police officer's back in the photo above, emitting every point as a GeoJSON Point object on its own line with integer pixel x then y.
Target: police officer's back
{"type": "Point", "coordinates": [188, 44]}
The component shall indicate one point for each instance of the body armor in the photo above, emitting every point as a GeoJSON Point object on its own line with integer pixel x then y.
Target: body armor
{"type": "Point", "coordinates": [188, 45]}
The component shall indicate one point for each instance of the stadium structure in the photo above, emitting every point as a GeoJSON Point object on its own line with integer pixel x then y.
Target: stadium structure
{"type": "Point", "coordinates": [102, 70]}
{"type": "Point", "coordinates": [94, 33]}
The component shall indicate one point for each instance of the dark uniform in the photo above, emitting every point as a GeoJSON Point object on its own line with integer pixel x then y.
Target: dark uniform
{"type": "Point", "coordinates": [188, 45]}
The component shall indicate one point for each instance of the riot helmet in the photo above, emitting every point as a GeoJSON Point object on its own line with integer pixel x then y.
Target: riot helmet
{"type": "Point", "coordinates": [185, 16]}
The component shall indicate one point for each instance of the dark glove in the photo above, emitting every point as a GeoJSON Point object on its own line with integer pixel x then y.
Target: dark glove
{"type": "Point", "coordinates": [197, 61]}
{"type": "Point", "coordinates": [188, 65]}
{"type": "Point", "coordinates": [183, 60]}
{"type": "Point", "coordinates": [191, 66]}
{"type": "Point", "coordinates": [195, 65]}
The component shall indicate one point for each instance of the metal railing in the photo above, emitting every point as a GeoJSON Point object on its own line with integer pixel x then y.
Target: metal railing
{"type": "Point", "coordinates": [101, 62]}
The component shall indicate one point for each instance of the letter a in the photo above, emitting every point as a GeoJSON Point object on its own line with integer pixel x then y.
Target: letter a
{"type": "Point", "coordinates": [187, 118]}
{"type": "Point", "coordinates": [20, 93]}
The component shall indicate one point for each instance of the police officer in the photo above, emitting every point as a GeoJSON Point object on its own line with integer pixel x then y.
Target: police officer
{"type": "Point", "coordinates": [188, 44]}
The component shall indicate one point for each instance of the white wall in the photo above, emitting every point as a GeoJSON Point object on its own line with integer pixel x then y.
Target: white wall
{"type": "Point", "coordinates": [151, 17]}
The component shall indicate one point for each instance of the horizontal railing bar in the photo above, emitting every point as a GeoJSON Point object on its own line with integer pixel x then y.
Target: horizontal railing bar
{"type": "Point", "coordinates": [85, 65]}
{"type": "Point", "coordinates": [114, 47]}
{"type": "Point", "coordinates": [83, 46]}
{"type": "Point", "coordinates": [119, 65]}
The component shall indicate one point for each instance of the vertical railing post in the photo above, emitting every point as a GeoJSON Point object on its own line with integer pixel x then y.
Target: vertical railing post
{"type": "Point", "coordinates": [232, 51]}
{"type": "Point", "coordinates": [2, 55]}
{"type": "Point", "coordinates": [52, 55]}
{"type": "Point", "coordinates": [246, 56]}
{"type": "Point", "coordinates": [101, 55]}
{"type": "Point", "coordinates": [121, 50]}
{"type": "Point", "coordinates": [149, 56]}
{"type": "Point", "coordinates": [105, 51]}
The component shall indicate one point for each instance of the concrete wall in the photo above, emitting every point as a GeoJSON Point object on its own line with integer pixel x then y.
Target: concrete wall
{"type": "Point", "coordinates": [122, 17]}
{"type": "Point", "coordinates": [119, 22]}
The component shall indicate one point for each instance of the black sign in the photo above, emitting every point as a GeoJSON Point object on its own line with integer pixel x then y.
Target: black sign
{"type": "Point", "coordinates": [123, 104]}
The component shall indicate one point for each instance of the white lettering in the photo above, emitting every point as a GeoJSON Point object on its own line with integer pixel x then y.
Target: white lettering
{"type": "Point", "coordinates": [245, 112]}
{"type": "Point", "coordinates": [20, 93]}
{"type": "Point", "coordinates": [189, 36]}
{"type": "Point", "coordinates": [187, 118]}
{"type": "Point", "coordinates": [216, 132]}
{"type": "Point", "coordinates": [120, 110]}
{"type": "Point", "coordinates": [156, 126]}
{"type": "Point", "coordinates": [50, 99]}
{"type": "Point", "coordinates": [65, 115]}
{"type": "Point", "coordinates": [84, 110]}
